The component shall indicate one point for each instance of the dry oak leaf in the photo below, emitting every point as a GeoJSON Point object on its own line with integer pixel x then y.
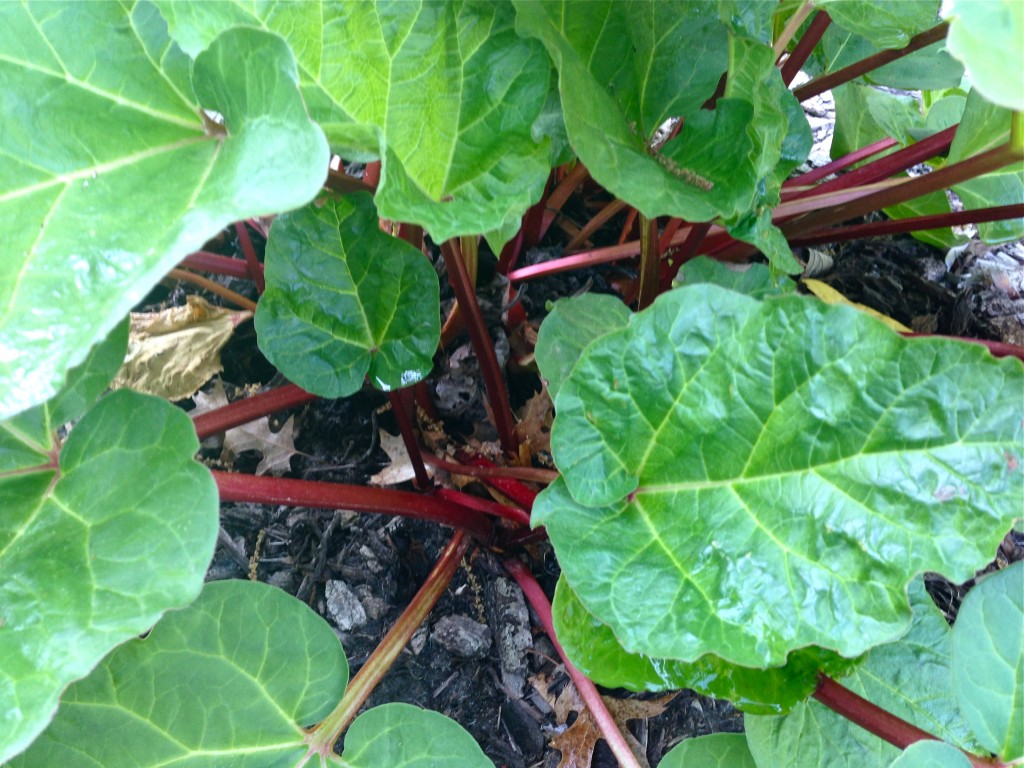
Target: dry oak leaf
{"type": "Point", "coordinates": [400, 469]}
{"type": "Point", "coordinates": [172, 353]}
{"type": "Point", "coordinates": [577, 742]}
{"type": "Point", "coordinates": [534, 422]}
{"type": "Point", "coordinates": [277, 448]}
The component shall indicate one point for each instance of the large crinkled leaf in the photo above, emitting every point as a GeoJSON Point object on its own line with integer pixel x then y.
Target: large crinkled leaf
{"type": "Point", "coordinates": [571, 325]}
{"type": "Point", "coordinates": [746, 478]}
{"type": "Point", "coordinates": [345, 300]}
{"type": "Point", "coordinates": [404, 736]}
{"type": "Point", "coordinates": [886, 25]}
{"type": "Point", "coordinates": [988, 662]}
{"type": "Point", "coordinates": [931, 754]}
{"type": "Point", "coordinates": [230, 680]}
{"type": "Point", "coordinates": [910, 678]}
{"type": "Point", "coordinates": [621, 74]}
{"type": "Point", "coordinates": [986, 126]}
{"type": "Point", "coordinates": [988, 37]}
{"type": "Point", "coordinates": [94, 550]}
{"type": "Point", "coordinates": [592, 646]}
{"type": "Point", "coordinates": [109, 173]}
{"type": "Point", "coordinates": [446, 94]}
{"type": "Point", "coordinates": [750, 279]}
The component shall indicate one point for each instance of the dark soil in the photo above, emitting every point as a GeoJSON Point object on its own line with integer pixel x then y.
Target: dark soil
{"type": "Point", "coordinates": [475, 657]}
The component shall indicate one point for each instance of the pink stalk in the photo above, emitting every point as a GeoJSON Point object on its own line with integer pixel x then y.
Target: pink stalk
{"type": "Point", "coordinates": [805, 47]}
{"type": "Point", "coordinates": [320, 495]}
{"type": "Point", "coordinates": [821, 84]}
{"type": "Point", "coordinates": [837, 165]}
{"type": "Point", "coordinates": [878, 721]}
{"type": "Point", "coordinates": [251, 408]}
{"type": "Point", "coordinates": [587, 690]}
{"type": "Point", "coordinates": [531, 474]}
{"type": "Point", "coordinates": [204, 261]}
{"type": "Point", "coordinates": [504, 511]}
{"type": "Point", "coordinates": [255, 268]}
{"type": "Point", "coordinates": [401, 406]}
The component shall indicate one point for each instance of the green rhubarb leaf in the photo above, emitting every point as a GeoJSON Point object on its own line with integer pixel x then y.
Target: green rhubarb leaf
{"type": "Point", "coordinates": [986, 126]}
{"type": "Point", "coordinates": [718, 750]}
{"type": "Point", "coordinates": [926, 69]}
{"type": "Point", "coordinates": [752, 279]}
{"type": "Point", "coordinates": [748, 18]}
{"type": "Point", "coordinates": [404, 736]}
{"type": "Point", "coordinates": [345, 300]}
{"type": "Point", "coordinates": [927, 205]}
{"type": "Point", "coordinates": [570, 326]}
{"type": "Point", "coordinates": [989, 39]}
{"type": "Point", "coordinates": [988, 662]}
{"type": "Point", "coordinates": [886, 25]}
{"type": "Point", "coordinates": [230, 680]}
{"type": "Point", "coordinates": [747, 478]}
{"type": "Point", "coordinates": [865, 115]}
{"type": "Point", "coordinates": [910, 678]}
{"type": "Point", "coordinates": [931, 754]}
{"type": "Point", "coordinates": [109, 173]}
{"type": "Point", "coordinates": [445, 94]}
{"type": "Point", "coordinates": [621, 74]}
{"type": "Point", "coordinates": [93, 549]}
{"type": "Point", "coordinates": [593, 648]}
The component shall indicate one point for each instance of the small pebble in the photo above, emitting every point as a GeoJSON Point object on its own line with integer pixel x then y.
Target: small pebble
{"type": "Point", "coordinates": [462, 636]}
{"type": "Point", "coordinates": [344, 607]}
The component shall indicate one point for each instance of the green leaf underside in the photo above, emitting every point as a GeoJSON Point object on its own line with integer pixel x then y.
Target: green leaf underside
{"type": "Point", "coordinates": [988, 661]}
{"type": "Point", "coordinates": [889, 25]}
{"type": "Point", "coordinates": [718, 750]}
{"type": "Point", "coordinates": [94, 554]}
{"type": "Point", "coordinates": [910, 678]}
{"type": "Point", "coordinates": [752, 280]}
{"type": "Point", "coordinates": [446, 94]}
{"type": "Point", "coordinates": [404, 736]}
{"type": "Point", "coordinates": [926, 69]}
{"type": "Point", "coordinates": [985, 126]}
{"type": "Point", "coordinates": [571, 325]}
{"type": "Point", "coordinates": [230, 680]}
{"type": "Point", "coordinates": [621, 74]}
{"type": "Point", "coordinates": [931, 754]}
{"type": "Point", "coordinates": [345, 300]}
{"type": "Point", "coordinates": [593, 648]}
{"type": "Point", "coordinates": [989, 38]}
{"type": "Point", "coordinates": [108, 176]}
{"type": "Point", "coordinates": [746, 479]}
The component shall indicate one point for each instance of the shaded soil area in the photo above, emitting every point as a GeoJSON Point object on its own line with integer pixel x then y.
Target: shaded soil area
{"type": "Point", "coordinates": [481, 658]}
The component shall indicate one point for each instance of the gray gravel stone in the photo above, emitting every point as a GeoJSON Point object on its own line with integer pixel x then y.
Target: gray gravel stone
{"type": "Point", "coordinates": [344, 607]}
{"type": "Point", "coordinates": [462, 636]}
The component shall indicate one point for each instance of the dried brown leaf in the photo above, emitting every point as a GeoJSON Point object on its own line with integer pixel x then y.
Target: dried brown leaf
{"type": "Point", "coordinates": [172, 353]}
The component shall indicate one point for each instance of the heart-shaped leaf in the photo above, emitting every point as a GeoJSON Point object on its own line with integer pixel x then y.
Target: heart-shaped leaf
{"type": "Point", "coordinates": [344, 300]}
{"type": "Point", "coordinates": [230, 680]}
{"type": "Point", "coordinates": [746, 478]}
{"type": "Point", "coordinates": [110, 172]}
{"type": "Point", "coordinates": [93, 549]}
{"type": "Point", "coordinates": [446, 94]}
{"type": "Point", "coordinates": [988, 661]}
{"type": "Point", "coordinates": [910, 678]}
{"type": "Point", "coordinates": [233, 680]}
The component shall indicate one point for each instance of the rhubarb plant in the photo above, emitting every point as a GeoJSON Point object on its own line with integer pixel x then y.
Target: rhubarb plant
{"type": "Point", "coordinates": [749, 482]}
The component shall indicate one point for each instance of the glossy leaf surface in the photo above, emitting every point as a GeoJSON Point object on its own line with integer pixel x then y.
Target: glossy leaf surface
{"type": "Point", "coordinates": [94, 550]}
{"type": "Point", "coordinates": [719, 750]}
{"type": "Point", "coordinates": [230, 680]}
{"type": "Point", "coordinates": [752, 280]}
{"type": "Point", "coordinates": [988, 661]}
{"type": "Point", "coordinates": [571, 325]}
{"type": "Point", "coordinates": [746, 478]}
{"type": "Point", "coordinates": [445, 94]}
{"type": "Point", "coordinates": [404, 736]}
{"type": "Point", "coordinates": [345, 300]}
{"type": "Point", "coordinates": [910, 678]}
{"type": "Point", "coordinates": [109, 173]}
{"type": "Point", "coordinates": [989, 39]}
{"type": "Point", "coordinates": [592, 646]}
